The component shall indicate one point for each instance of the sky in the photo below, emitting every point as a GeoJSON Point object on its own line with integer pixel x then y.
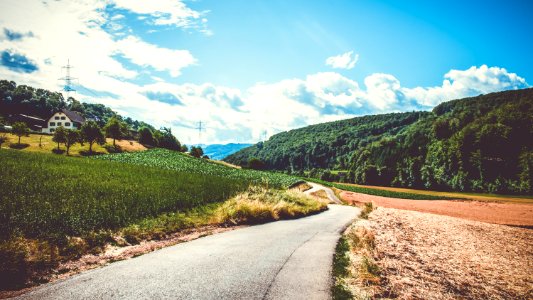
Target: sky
{"type": "Point", "coordinates": [250, 69]}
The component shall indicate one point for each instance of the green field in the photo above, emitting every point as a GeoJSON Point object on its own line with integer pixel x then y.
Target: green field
{"type": "Point", "coordinates": [45, 195]}
{"type": "Point", "coordinates": [171, 160]}
{"type": "Point", "coordinates": [384, 193]}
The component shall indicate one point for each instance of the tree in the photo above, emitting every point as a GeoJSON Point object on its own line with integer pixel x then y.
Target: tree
{"type": "Point", "coordinates": [20, 129]}
{"type": "Point", "coordinates": [71, 138]}
{"type": "Point", "coordinates": [146, 137]}
{"type": "Point", "coordinates": [184, 148]}
{"type": "Point", "coordinates": [197, 151]}
{"type": "Point", "coordinates": [91, 133]}
{"type": "Point", "coordinates": [256, 164]}
{"type": "Point", "coordinates": [168, 140]}
{"type": "Point", "coordinates": [59, 135]}
{"type": "Point", "coordinates": [3, 139]}
{"type": "Point", "coordinates": [115, 129]}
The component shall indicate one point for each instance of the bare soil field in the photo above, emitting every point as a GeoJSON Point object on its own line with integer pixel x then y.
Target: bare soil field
{"type": "Point", "coordinates": [428, 256]}
{"type": "Point", "coordinates": [490, 212]}
{"type": "Point", "coordinates": [458, 195]}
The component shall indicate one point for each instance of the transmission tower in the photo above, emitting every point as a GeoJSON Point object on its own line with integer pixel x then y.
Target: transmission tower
{"type": "Point", "coordinates": [67, 87]}
{"type": "Point", "coordinates": [200, 128]}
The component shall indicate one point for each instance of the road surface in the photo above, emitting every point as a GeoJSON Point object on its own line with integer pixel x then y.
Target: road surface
{"type": "Point", "coordinates": [279, 260]}
{"type": "Point", "coordinates": [329, 192]}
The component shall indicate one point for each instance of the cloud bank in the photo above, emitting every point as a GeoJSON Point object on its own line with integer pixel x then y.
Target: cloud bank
{"type": "Point", "coordinates": [127, 73]}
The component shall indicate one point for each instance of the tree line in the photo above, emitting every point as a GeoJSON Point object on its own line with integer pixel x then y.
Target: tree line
{"type": "Point", "coordinates": [478, 144]}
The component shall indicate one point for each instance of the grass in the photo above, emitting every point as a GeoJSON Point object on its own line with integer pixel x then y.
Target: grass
{"type": "Point", "coordinates": [341, 262]}
{"type": "Point", "coordinates": [356, 274]}
{"type": "Point", "coordinates": [367, 209]}
{"type": "Point", "coordinates": [383, 193]}
{"type": "Point", "coordinates": [453, 195]}
{"type": "Point", "coordinates": [55, 208]}
{"type": "Point", "coordinates": [171, 160]}
{"type": "Point", "coordinates": [43, 143]}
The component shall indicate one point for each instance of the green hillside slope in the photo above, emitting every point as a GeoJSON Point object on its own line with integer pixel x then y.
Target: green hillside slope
{"type": "Point", "coordinates": [482, 144]}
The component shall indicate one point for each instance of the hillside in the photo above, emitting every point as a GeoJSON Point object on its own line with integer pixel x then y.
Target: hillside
{"type": "Point", "coordinates": [482, 144]}
{"type": "Point", "coordinates": [23, 99]}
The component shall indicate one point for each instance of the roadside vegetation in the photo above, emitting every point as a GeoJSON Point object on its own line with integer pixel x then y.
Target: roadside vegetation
{"type": "Point", "coordinates": [383, 193]}
{"type": "Point", "coordinates": [54, 208]}
{"type": "Point", "coordinates": [356, 273]}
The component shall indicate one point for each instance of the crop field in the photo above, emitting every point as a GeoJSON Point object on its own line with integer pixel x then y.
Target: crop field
{"type": "Point", "coordinates": [384, 193]}
{"type": "Point", "coordinates": [44, 195]}
{"type": "Point", "coordinates": [171, 160]}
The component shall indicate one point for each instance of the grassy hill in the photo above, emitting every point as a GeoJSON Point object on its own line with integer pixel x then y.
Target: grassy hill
{"type": "Point", "coordinates": [479, 144]}
{"type": "Point", "coordinates": [43, 143]}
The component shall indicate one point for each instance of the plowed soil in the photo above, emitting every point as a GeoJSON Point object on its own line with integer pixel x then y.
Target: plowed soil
{"type": "Point", "coordinates": [427, 256]}
{"type": "Point", "coordinates": [490, 212]}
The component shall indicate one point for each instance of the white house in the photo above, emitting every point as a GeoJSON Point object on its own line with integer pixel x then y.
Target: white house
{"type": "Point", "coordinates": [66, 118]}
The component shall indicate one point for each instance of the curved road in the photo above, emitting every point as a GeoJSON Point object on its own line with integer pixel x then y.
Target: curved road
{"type": "Point", "coordinates": [279, 260]}
{"type": "Point", "coordinates": [329, 192]}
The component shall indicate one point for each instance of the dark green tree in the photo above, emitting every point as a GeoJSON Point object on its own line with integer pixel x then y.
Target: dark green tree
{"type": "Point", "coordinates": [115, 129]}
{"type": "Point", "coordinates": [256, 164]}
{"type": "Point", "coordinates": [20, 129]}
{"type": "Point", "coordinates": [71, 137]}
{"type": "Point", "coordinates": [146, 137]}
{"type": "Point", "coordinates": [59, 135]}
{"type": "Point", "coordinates": [91, 133]}
{"type": "Point", "coordinates": [196, 151]}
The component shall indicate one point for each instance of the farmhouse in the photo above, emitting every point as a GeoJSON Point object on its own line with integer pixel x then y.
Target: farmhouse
{"type": "Point", "coordinates": [65, 118]}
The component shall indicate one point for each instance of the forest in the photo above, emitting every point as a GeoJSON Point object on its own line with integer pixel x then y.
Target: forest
{"type": "Point", "coordinates": [37, 102]}
{"type": "Point", "coordinates": [477, 144]}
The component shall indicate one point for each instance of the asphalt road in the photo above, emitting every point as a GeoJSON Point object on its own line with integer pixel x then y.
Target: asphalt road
{"type": "Point", "coordinates": [279, 260]}
{"type": "Point", "coordinates": [329, 192]}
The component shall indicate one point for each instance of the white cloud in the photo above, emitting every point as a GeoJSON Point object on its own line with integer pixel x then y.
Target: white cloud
{"type": "Point", "coordinates": [465, 83]}
{"type": "Point", "coordinates": [161, 59]}
{"type": "Point", "coordinates": [73, 29]}
{"type": "Point", "coordinates": [343, 61]}
{"type": "Point", "coordinates": [165, 12]}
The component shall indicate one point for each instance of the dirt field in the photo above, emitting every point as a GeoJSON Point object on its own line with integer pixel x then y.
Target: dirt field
{"type": "Point", "coordinates": [490, 212]}
{"type": "Point", "coordinates": [427, 256]}
{"type": "Point", "coordinates": [469, 196]}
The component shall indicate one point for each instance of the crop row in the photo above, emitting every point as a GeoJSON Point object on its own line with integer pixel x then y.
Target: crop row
{"type": "Point", "coordinates": [171, 160]}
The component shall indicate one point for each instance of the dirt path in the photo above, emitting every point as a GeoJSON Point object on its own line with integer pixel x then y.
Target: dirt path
{"type": "Point", "coordinates": [427, 256]}
{"type": "Point", "coordinates": [490, 212]}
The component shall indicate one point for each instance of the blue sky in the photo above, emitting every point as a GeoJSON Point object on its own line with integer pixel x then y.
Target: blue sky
{"type": "Point", "coordinates": [250, 67]}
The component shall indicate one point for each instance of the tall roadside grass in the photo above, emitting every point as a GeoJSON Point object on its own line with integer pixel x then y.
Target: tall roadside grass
{"type": "Point", "coordinates": [357, 274]}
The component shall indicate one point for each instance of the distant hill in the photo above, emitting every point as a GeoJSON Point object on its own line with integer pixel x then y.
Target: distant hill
{"type": "Point", "coordinates": [482, 143]}
{"type": "Point", "coordinates": [219, 151]}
